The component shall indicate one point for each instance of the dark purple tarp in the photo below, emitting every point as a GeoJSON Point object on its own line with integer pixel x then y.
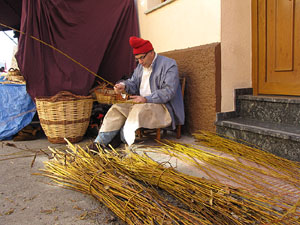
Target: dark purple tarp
{"type": "Point", "coordinates": [94, 33]}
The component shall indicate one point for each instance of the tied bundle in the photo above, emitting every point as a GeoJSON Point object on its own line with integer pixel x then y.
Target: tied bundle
{"type": "Point", "coordinates": [219, 203]}
{"type": "Point", "coordinates": [251, 199]}
{"type": "Point", "coordinates": [129, 200]}
{"type": "Point", "coordinates": [266, 186]}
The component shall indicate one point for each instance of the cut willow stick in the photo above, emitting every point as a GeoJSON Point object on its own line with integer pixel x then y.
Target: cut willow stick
{"type": "Point", "coordinates": [274, 176]}
{"type": "Point", "coordinates": [284, 166]}
{"type": "Point", "coordinates": [221, 204]}
{"type": "Point", "coordinates": [267, 179]}
{"type": "Point", "coordinates": [128, 199]}
{"type": "Point", "coordinates": [255, 177]}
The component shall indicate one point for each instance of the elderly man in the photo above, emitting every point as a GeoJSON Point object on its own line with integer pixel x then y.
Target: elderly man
{"type": "Point", "coordinates": [156, 99]}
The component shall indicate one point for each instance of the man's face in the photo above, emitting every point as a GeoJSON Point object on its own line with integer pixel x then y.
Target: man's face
{"type": "Point", "coordinates": [145, 59]}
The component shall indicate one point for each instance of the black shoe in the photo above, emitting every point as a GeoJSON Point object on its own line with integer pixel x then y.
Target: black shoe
{"type": "Point", "coordinates": [95, 147]}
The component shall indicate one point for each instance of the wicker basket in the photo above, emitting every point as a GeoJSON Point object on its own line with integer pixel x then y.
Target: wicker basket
{"type": "Point", "coordinates": [14, 76]}
{"type": "Point", "coordinates": [64, 115]}
{"type": "Point", "coordinates": [14, 72]}
{"type": "Point", "coordinates": [108, 96]}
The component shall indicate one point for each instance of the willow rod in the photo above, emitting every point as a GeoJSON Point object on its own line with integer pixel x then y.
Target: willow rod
{"type": "Point", "coordinates": [128, 199]}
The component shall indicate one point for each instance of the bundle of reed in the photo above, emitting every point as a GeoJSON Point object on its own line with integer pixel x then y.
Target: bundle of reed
{"type": "Point", "coordinates": [242, 172]}
{"type": "Point", "coordinates": [129, 200]}
{"type": "Point", "coordinates": [269, 184]}
{"type": "Point", "coordinates": [243, 166]}
{"type": "Point", "coordinates": [220, 204]}
{"type": "Point", "coordinates": [234, 148]}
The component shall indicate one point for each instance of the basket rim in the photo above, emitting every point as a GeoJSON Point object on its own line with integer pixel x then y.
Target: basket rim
{"type": "Point", "coordinates": [63, 96]}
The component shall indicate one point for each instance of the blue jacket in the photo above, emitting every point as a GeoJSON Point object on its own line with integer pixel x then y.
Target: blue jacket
{"type": "Point", "coordinates": [164, 85]}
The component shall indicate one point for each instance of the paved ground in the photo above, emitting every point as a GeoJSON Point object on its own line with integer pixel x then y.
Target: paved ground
{"type": "Point", "coordinates": [30, 199]}
{"type": "Point", "coordinates": [27, 199]}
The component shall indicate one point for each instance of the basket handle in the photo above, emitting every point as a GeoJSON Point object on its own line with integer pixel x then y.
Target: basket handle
{"type": "Point", "coordinates": [63, 95]}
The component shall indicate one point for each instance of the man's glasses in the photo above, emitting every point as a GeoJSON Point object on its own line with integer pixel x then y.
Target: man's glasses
{"type": "Point", "coordinates": [142, 57]}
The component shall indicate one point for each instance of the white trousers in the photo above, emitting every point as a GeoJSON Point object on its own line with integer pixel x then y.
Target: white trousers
{"type": "Point", "coordinates": [134, 116]}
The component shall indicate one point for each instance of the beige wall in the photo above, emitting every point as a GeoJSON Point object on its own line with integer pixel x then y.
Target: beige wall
{"type": "Point", "coordinates": [235, 50]}
{"type": "Point", "coordinates": [189, 23]}
{"type": "Point", "coordinates": [180, 24]}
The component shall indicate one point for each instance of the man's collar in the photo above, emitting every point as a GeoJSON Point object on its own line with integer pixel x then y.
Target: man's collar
{"type": "Point", "coordinates": [154, 59]}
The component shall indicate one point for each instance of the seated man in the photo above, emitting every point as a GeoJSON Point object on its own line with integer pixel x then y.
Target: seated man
{"type": "Point", "coordinates": [156, 99]}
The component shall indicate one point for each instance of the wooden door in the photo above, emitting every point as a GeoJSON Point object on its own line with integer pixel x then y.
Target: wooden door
{"type": "Point", "coordinates": [278, 47]}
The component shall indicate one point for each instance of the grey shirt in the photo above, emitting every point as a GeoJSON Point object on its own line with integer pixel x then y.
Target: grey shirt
{"type": "Point", "coordinates": [164, 85]}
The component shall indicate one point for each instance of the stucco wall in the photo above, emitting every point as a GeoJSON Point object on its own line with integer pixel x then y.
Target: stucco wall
{"type": "Point", "coordinates": [180, 24]}
{"type": "Point", "coordinates": [235, 50]}
{"type": "Point", "coordinates": [201, 67]}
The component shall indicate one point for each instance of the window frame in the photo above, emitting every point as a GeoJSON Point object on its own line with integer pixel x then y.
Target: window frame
{"type": "Point", "coordinates": [162, 4]}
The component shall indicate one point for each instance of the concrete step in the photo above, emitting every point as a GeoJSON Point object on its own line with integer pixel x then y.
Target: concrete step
{"type": "Point", "coordinates": [274, 109]}
{"type": "Point", "coordinates": [280, 139]}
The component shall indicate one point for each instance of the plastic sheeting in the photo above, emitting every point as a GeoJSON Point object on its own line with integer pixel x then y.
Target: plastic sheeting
{"type": "Point", "coordinates": [17, 109]}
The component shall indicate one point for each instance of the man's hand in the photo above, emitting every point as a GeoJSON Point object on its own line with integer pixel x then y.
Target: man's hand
{"type": "Point", "coordinates": [119, 88]}
{"type": "Point", "coordinates": [138, 99]}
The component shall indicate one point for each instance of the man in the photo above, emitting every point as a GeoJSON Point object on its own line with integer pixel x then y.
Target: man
{"type": "Point", "coordinates": [156, 99]}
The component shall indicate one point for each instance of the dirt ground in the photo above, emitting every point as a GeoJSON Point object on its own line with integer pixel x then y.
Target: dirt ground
{"type": "Point", "coordinates": [26, 198]}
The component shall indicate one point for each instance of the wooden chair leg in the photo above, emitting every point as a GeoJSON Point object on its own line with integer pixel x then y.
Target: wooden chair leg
{"type": "Point", "coordinates": [178, 131]}
{"type": "Point", "coordinates": [139, 132]}
{"type": "Point", "coordinates": [158, 134]}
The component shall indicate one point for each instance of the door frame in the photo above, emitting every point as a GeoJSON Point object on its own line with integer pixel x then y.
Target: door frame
{"type": "Point", "coordinates": [255, 50]}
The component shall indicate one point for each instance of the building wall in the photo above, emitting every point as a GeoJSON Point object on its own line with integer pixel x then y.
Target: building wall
{"type": "Point", "coordinates": [190, 32]}
{"type": "Point", "coordinates": [180, 24]}
{"type": "Point", "coordinates": [235, 50]}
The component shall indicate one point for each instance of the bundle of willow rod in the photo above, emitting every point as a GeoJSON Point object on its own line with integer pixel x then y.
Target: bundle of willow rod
{"type": "Point", "coordinates": [255, 170]}
{"type": "Point", "coordinates": [267, 185]}
{"type": "Point", "coordinates": [218, 203]}
{"type": "Point", "coordinates": [255, 177]}
{"type": "Point", "coordinates": [287, 167]}
{"type": "Point", "coordinates": [128, 199]}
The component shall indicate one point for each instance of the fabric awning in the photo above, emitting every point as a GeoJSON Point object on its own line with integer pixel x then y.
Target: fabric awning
{"type": "Point", "coordinates": [94, 33]}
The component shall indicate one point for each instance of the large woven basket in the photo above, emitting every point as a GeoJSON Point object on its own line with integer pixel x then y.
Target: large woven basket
{"type": "Point", "coordinates": [64, 115]}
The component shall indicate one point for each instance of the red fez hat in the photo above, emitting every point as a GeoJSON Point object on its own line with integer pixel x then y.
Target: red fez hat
{"type": "Point", "coordinates": [140, 45]}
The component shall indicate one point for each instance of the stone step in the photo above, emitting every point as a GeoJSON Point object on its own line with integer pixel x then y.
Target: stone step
{"type": "Point", "coordinates": [280, 139]}
{"type": "Point", "coordinates": [274, 109]}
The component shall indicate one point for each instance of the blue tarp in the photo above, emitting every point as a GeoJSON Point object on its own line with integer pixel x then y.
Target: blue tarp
{"type": "Point", "coordinates": [16, 109]}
